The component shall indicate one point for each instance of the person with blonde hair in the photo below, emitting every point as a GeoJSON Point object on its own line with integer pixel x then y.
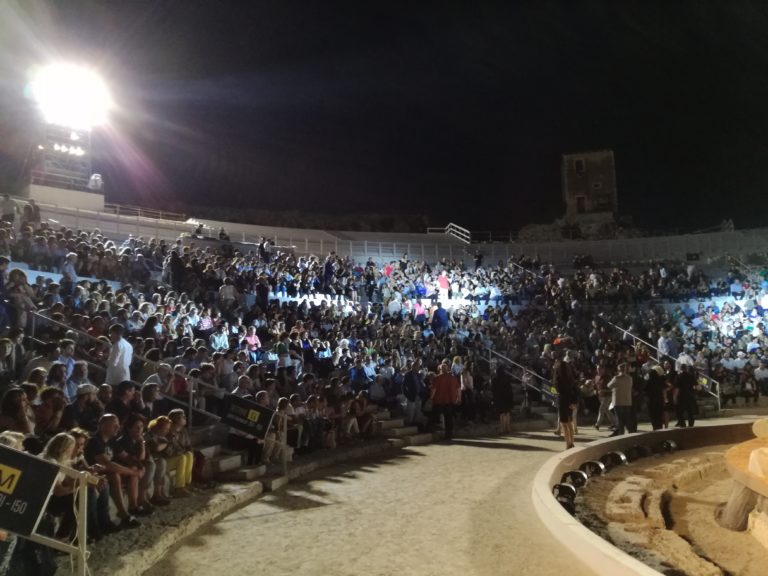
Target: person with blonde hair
{"type": "Point", "coordinates": [12, 439]}
{"type": "Point", "coordinates": [180, 456]}
{"type": "Point", "coordinates": [157, 443]}
{"type": "Point", "coordinates": [60, 450]}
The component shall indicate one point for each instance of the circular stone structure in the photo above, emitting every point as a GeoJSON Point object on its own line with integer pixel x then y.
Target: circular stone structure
{"type": "Point", "coordinates": [658, 509]}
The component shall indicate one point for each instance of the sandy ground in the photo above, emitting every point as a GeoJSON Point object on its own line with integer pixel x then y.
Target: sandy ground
{"type": "Point", "coordinates": [693, 513]}
{"type": "Point", "coordinates": [461, 509]}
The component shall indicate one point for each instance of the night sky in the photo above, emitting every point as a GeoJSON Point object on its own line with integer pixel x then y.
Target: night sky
{"type": "Point", "coordinates": [457, 110]}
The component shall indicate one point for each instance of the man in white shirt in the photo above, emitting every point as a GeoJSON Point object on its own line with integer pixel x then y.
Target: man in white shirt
{"type": "Point", "coordinates": [219, 340]}
{"type": "Point", "coordinates": [663, 344]}
{"type": "Point", "coordinates": [761, 375]}
{"type": "Point", "coordinates": [684, 359]}
{"type": "Point", "coordinates": [120, 357]}
{"type": "Point", "coordinates": [740, 361]}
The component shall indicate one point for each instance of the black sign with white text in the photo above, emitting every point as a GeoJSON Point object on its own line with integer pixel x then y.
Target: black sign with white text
{"type": "Point", "coordinates": [25, 485]}
{"type": "Point", "coordinates": [246, 416]}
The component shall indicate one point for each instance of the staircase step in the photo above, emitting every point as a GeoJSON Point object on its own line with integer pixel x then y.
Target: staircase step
{"type": "Point", "coordinates": [403, 431]}
{"type": "Point", "coordinates": [208, 435]}
{"type": "Point", "coordinates": [243, 474]}
{"type": "Point", "coordinates": [419, 439]}
{"type": "Point", "coordinates": [210, 451]}
{"type": "Point", "coordinates": [398, 442]}
{"type": "Point", "coordinates": [389, 424]}
{"type": "Point", "coordinates": [383, 415]}
{"type": "Point", "coordinates": [541, 409]}
{"type": "Point", "coordinates": [528, 425]}
{"type": "Point", "coordinates": [226, 462]}
{"type": "Point", "coordinates": [274, 482]}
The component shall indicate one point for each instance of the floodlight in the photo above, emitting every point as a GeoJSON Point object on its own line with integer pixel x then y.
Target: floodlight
{"type": "Point", "coordinates": [71, 96]}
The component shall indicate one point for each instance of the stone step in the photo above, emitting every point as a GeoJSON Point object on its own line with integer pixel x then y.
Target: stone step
{"type": "Point", "coordinates": [243, 474]}
{"type": "Point", "coordinates": [272, 483]}
{"type": "Point", "coordinates": [210, 451]}
{"type": "Point", "coordinates": [550, 419]}
{"type": "Point", "coordinates": [389, 424]}
{"type": "Point", "coordinates": [208, 435]}
{"type": "Point", "coordinates": [404, 431]}
{"type": "Point", "coordinates": [419, 439]}
{"type": "Point", "coordinates": [226, 462]}
{"type": "Point", "coordinates": [541, 409]}
{"type": "Point", "coordinates": [383, 415]}
{"type": "Point", "coordinates": [528, 425]}
{"type": "Point", "coordinates": [398, 442]}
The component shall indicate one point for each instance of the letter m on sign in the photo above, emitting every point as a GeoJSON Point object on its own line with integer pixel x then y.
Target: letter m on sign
{"type": "Point", "coordinates": [9, 478]}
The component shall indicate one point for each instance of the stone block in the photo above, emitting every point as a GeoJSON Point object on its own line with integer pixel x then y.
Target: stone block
{"type": "Point", "coordinates": [244, 474]}
{"type": "Point", "coordinates": [419, 439]}
{"type": "Point", "coordinates": [655, 504]}
{"type": "Point", "coordinates": [389, 424]}
{"type": "Point", "coordinates": [625, 501]}
{"type": "Point", "coordinates": [403, 431]}
{"type": "Point", "coordinates": [226, 462]}
{"type": "Point", "coordinates": [758, 527]}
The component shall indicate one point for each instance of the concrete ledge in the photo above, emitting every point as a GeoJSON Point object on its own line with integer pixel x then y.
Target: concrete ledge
{"type": "Point", "coordinates": [599, 555]}
{"type": "Point", "coordinates": [132, 552]}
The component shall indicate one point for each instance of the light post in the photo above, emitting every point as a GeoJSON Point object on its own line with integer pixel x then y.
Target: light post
{"type": "Point", "coordinates": [72, 100]}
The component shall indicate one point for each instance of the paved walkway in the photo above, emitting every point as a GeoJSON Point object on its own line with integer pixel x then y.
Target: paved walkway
{"type": "Point", "coordinates": [462, 509]}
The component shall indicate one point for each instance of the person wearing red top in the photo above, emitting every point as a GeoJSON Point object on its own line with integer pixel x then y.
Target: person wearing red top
{"type": "Point", "coordinates": [446, 395]}
{"type": "Point", "coordinates": [443, 285]}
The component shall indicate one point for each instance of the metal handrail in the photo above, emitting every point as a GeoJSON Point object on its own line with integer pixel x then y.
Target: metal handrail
{"type": "Point", "coordinates": [458, 232]}
{"type": "Point", "coordinates": [196, 384]}
{"type": "Point", "coordinates": [635, 338]}
{"type": "Point", "coordinates": [79, 548]}
{"type": "Point", "coordinates": [524, 269]}
{"type": "Point", "coordinates": [546, 390]}
{"type": "Point", "coordinates": [142, 212]}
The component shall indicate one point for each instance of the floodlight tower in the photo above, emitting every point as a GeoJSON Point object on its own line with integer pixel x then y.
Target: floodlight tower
{"type": "Point", "coordinates": [72, 101]}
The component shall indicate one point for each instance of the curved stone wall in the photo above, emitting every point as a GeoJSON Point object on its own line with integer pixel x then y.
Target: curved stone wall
{"type": "Point", "coordinates": [595, 552]}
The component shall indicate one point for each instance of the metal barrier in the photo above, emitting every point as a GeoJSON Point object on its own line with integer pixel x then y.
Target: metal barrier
{"type": "Point", "coordinates": [196, 384]}
{"type": "Point", "coordinates": [141, 212]}
{"type": "Point", "coordinates": [458, 232]}
{"type": "Point", "coordinates": [545, 388]}
{"type": "Point", "coordinates": [78, 549]}
{"type": "Point", "coordinates": [711, 382]}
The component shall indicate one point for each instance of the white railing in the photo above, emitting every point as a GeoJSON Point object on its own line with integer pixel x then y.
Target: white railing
{"type": "Point", "coordinates": [458, 232]}
{"type": "Point", "coordinates": [128, 210]}
{"type": "Point", "coordinates": [380, 249]}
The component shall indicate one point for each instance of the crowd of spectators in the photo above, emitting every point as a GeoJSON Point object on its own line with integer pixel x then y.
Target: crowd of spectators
{"type": "Point", "coordinates": [136, 330]}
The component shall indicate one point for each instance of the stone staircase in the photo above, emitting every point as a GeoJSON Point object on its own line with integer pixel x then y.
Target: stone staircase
{"type": "Point", "coordinates": [225, 465]}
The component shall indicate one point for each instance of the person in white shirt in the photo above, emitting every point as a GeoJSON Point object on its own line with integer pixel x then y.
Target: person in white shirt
{"type": "Point", "coordinates": [120, 357]}
{"type": "Point", "coordinates": [162, 378]}
{"type": "Point", "coordinates": [684, 359]}
{"type": "Point", "coordinates": [663, 344]}
{"type": "Point", "coordinates": [219, 340]}
{"type": "Point", "coordinates": [740, 361]}
{"type": "Point", "coordinates": [761, 375]}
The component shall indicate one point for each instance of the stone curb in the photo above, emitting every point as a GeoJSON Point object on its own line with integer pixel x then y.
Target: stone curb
{"type": "Point", "coordinates": [598, 554]}
{"type": "Point", "coordinates": [148, 544]}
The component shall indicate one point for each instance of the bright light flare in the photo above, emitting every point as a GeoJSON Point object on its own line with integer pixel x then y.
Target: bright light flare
{"type": "Point", "coordinates": [70, 95]}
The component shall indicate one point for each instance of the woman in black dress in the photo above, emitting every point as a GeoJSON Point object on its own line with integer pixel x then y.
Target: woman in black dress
{"type": "Point", "coordinates": [501, 387]}
{"type": "Point", "coordinates": [568, 396]}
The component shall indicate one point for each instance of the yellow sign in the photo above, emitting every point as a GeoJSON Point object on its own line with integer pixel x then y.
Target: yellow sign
{"type": "Point", "coordinates": [253, 415]}
{"type": "Point", "coordinates": [9, 477]}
